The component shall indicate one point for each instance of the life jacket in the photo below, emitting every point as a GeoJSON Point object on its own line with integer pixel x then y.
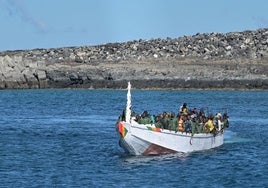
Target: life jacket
{"type": "Point", "coordinates": [210, 125]}
{"type": "Point", "coordinates": [180, 124]}
{"type": "Point", "coordinates": [184, 110]}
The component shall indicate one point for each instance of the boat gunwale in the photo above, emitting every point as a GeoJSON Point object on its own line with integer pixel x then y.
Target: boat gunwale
{"type": "Point", "coordinates": [178, 133]}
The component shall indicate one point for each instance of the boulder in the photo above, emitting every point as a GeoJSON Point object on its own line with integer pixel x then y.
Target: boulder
{"type": "Point", "coordinates": [211, 60]}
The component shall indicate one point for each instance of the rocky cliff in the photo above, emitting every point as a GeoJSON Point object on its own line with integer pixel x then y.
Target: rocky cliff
{"type": "Point", "coordinates": [237, 60]}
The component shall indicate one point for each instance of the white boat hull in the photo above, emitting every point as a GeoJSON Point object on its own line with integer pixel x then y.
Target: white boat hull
{"type": "Point", "coordinates": [138, 139]}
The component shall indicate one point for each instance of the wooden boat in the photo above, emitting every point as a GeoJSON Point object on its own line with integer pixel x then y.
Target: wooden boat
{"type": "Point", "coordinates": [146, 139]}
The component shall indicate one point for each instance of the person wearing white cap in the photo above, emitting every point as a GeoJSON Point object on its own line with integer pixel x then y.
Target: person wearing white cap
{"type": "Point", "coordinates": [219, 123]}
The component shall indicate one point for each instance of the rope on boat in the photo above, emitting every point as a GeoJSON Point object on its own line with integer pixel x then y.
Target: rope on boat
{"type": "Point", "coordinates": [191, 139]}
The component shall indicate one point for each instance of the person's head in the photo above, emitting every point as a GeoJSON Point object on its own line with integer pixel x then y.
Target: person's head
{"type": "Point", "coordinates": [210, 117]}
{"type": "Point", "coordinates": [145, 113]}
{"type": "Point", "coordinates": [225, 116]}
{"type": "Point", "coordinates": [218, 116]}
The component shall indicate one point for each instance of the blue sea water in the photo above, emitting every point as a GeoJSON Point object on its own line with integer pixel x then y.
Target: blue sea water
{"type": "Point", "coordinates": [67, 138]}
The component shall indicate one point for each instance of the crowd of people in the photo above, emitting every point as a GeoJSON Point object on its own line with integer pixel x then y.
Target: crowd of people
{"type": "Point", "coordinates": [186, 120]}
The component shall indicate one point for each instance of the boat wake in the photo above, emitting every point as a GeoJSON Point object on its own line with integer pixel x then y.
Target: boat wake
{"type": "Point", "coordinates": [231, 137]}
{"type": "Point", "coordinates": [143, 160]}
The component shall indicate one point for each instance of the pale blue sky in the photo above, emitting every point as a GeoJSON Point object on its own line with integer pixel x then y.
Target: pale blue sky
{"type": "Point", "coordinates": [28, 24]}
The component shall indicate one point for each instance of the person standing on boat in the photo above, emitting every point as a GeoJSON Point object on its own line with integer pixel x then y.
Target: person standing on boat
{"type": "Point", "coordinates": [122, 117]}
{"type": "Point", "coordinates": [225, 119]}
{"type": "Point", "coordinates": [195, 111]}
{"type": "Point", "coordinates": [202, 113]}
{"type": "Point", "coordinates": [209, 124]}
{"type": "Point", "coordinates": [200, 122]}
{"type": "Point", "coordinates": [184, 109]}
{"type": "Point", "coordinates": [195, 124]}
{"type": "Point", "coordinates": [187, 124]}
{"type": "Point", "coordinates": [180, 123]}
{"type": "Point", "coordinates": [218, 122]}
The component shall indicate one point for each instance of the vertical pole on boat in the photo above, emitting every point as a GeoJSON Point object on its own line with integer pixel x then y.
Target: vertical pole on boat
{"type": "Point", "coordinates": [128, 107]}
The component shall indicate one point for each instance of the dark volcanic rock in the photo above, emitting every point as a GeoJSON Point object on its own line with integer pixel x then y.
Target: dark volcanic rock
{"type": "Point", "coordinates": [236, 60]}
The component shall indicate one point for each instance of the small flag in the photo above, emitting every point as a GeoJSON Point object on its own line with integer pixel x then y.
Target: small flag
{"type": "Point", "coordinates": [122, 130]}
{"type": "Point", "coordinates": [154, 129]}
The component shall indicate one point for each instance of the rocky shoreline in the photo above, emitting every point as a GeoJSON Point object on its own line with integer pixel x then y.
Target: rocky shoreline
{"type": "Point", "coordinates": [237, 60]}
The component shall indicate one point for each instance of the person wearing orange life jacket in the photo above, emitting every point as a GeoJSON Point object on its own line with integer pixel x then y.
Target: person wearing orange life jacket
{"type": "Point", "coordinates": [180, 123]}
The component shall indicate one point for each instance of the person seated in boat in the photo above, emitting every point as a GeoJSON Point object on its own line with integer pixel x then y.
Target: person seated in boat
{"type": "Point", "coordinates": [152, 118]}
{"type": "Point", "coordinates": [209, 125]}
{"type": "Point", "coordinates": [173, 122]}
{"type": "Point", "coordinates": [164, 120]}
{"type": "Point", "coordinates": [225, 118]}
{"type": "Point", "coordinates": [158, 122]}
{"type": "Point", "coordinates": [138, 118]}
{"type": "Point", "coordinates": [145, 114]}
{"type": "Point", "coordinates": [145, 118]}
{"type": "Point", "coordinates": [184, 109]}
{"type": "Point", "coordinates": [133, 114]}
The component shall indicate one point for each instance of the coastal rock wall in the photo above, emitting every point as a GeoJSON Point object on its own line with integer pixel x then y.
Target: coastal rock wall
{"type": "Point", "coordinates": [237, 60]}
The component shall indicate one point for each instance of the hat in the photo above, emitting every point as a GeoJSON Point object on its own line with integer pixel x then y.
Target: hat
{"type": "Point", "coordinates": [218, 115]}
